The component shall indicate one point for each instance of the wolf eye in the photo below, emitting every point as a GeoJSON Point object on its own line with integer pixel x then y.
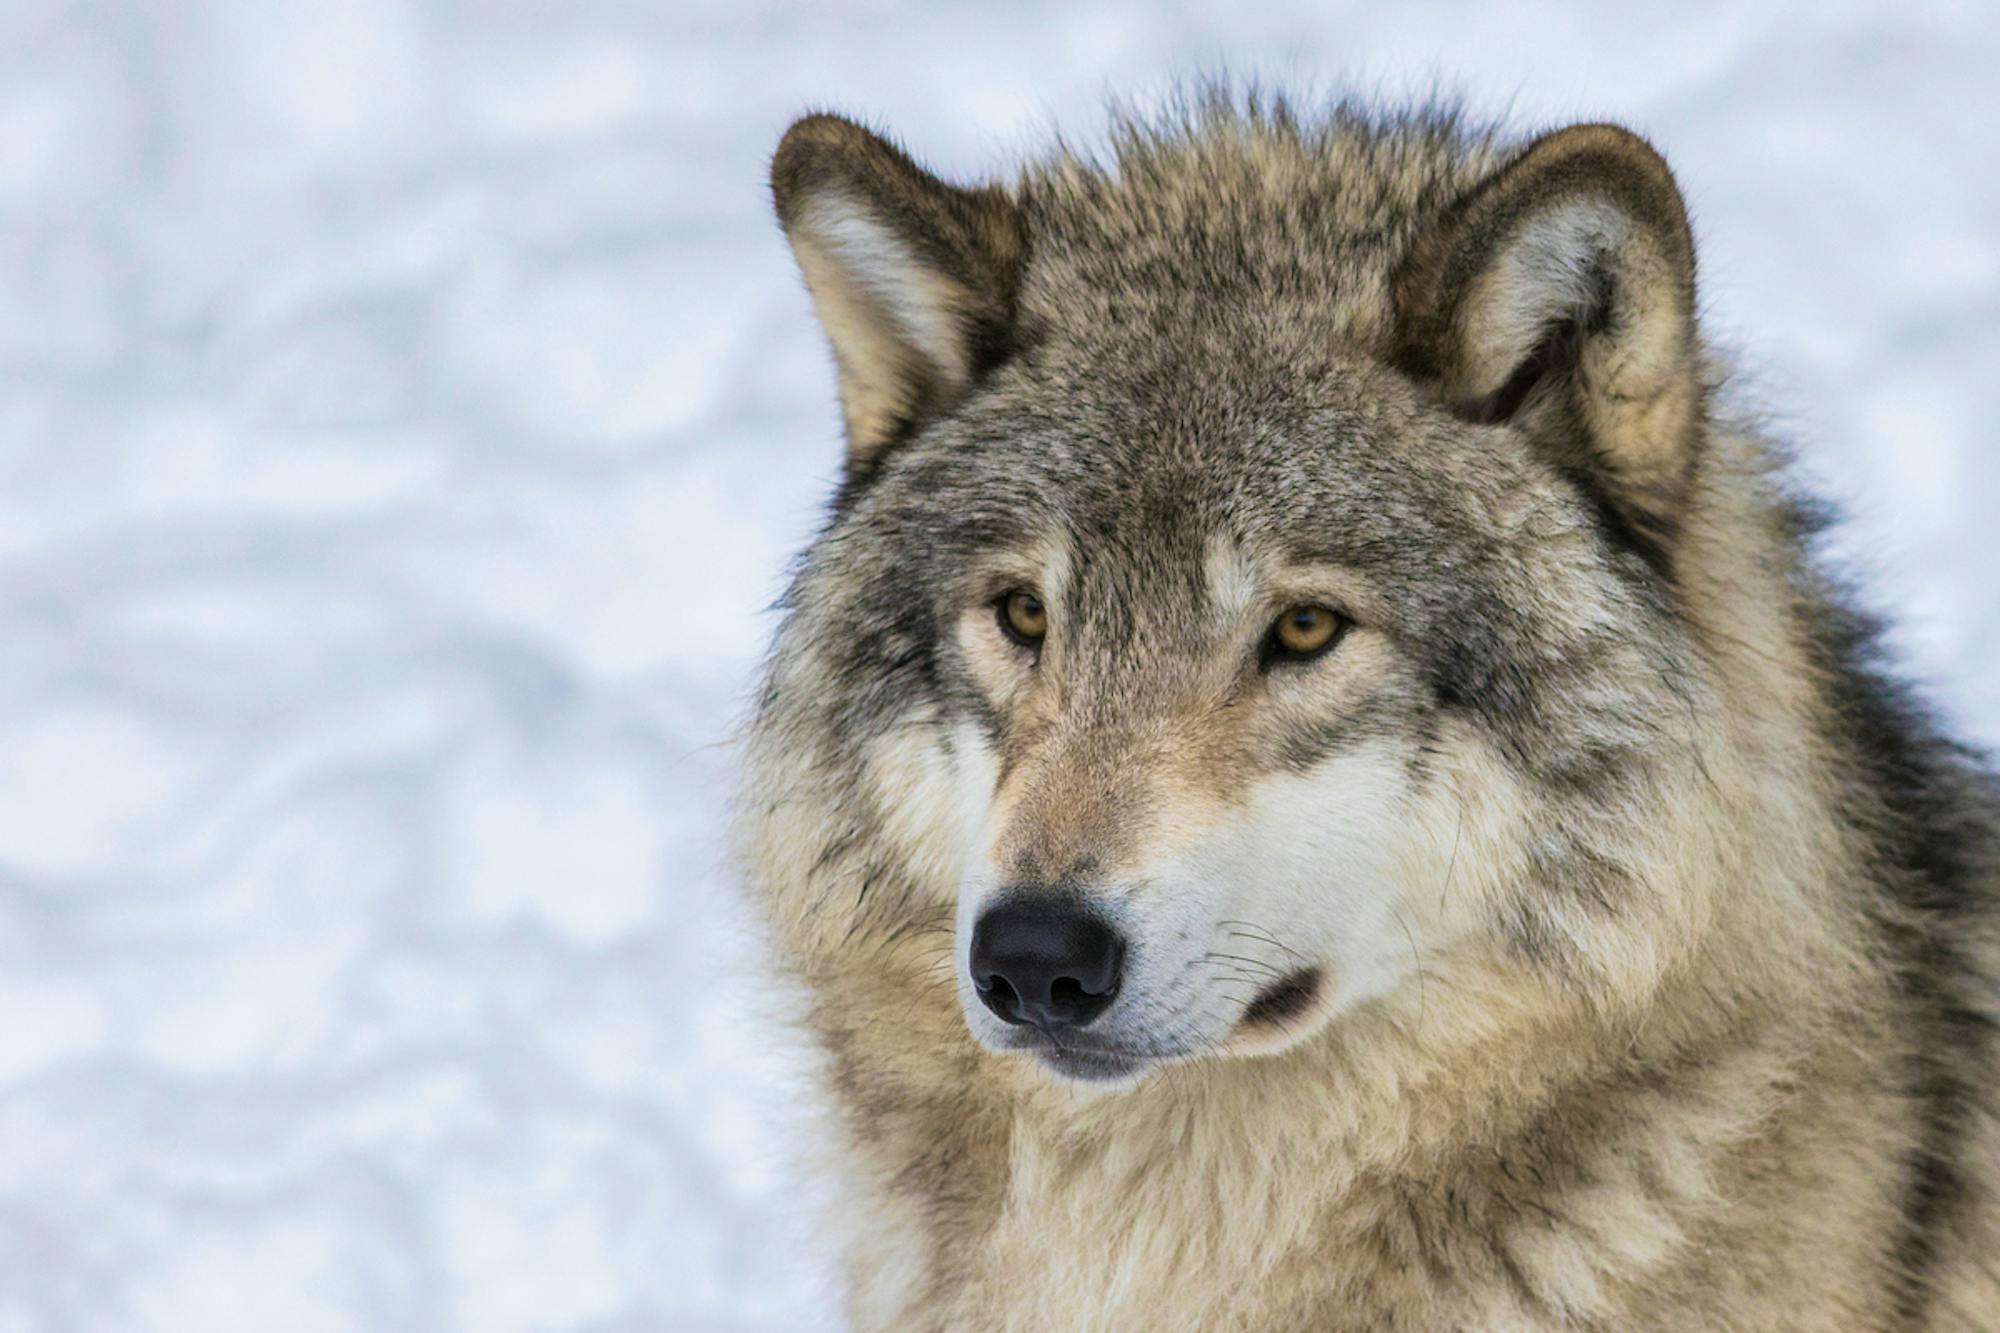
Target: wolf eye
{"type": "Point", "coordinates": [1304, 632]}
{"type": "Point", "coordinates": [1023, 618]}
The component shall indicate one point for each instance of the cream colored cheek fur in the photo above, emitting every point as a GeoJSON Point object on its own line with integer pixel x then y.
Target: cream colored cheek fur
{"type": "Point", "coordinates": [1310, 874]}
{"type": "Point", "coordinates": [919, 789]}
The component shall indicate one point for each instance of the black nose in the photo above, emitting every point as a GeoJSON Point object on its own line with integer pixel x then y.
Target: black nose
{"type": "Point", "coordinates": [1045, 960]}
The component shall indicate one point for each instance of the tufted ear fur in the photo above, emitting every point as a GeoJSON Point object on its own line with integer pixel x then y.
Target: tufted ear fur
{"type": "Point", "coordinates": [1559, 296]}
{"type": "Point", "coordinates": [913, 278]}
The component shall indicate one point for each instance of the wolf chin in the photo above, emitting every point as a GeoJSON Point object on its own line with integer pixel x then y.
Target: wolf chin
{"type": "Point", "coordinates": [1311, 779]}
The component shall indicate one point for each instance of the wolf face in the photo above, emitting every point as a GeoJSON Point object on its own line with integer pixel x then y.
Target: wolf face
{"type": "Point", "coordinates": [1292, 596]}
{"type": "Point", "coordinates": [1252, 595]}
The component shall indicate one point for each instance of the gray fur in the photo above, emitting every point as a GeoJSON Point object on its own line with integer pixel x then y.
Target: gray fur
{"type": "Point", "coordinates": [1698, 1027]}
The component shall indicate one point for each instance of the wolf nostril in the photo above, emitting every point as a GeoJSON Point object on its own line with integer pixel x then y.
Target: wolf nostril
{"type": "Point", "coordinates": [1045, 960]}
{"type": "Point", "coordinates": [999, 997]}
{"type": "Point", "coordinates": [1069, 990]}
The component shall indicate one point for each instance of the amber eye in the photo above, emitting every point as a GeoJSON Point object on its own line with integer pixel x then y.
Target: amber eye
{"type": "Point", "coordinates": [1305, 631]}
{"type": "Point", "coordinates": [1023, 618]}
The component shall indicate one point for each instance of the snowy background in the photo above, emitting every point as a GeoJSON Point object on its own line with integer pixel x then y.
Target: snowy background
{"type": "Point", "coordinates": [405, 412]}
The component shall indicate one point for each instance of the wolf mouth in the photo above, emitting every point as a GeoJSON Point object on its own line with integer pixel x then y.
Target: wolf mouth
{"type": "Point", "coordinates": [1086, 1060]}
{"type": "Point", "coordinates": [1091, 1066]}
{"type": "Point", "coordinates": [1284, 999]}
{"type": "Point", "coordinates": [1080, 1057]}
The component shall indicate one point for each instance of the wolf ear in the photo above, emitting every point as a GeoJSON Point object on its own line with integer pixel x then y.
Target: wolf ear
{"type": "Point", "coordinates": [1560, 295]}
{"type": "Point", "coordinates": [913, 278]}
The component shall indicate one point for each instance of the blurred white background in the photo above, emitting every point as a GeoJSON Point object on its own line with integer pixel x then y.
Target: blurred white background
{"type": "Point", "coordinates": [406, 411]}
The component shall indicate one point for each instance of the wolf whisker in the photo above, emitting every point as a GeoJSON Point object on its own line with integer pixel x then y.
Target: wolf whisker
{"type": "Point", "coordinates": [1260, 933]}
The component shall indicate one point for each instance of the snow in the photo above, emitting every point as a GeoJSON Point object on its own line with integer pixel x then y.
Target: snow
{"type": "Point", "coordinates": [406, 414]}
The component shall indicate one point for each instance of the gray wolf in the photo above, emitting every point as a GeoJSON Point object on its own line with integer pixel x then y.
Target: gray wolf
{"type": "Point", "coordinates": [1312, 778]}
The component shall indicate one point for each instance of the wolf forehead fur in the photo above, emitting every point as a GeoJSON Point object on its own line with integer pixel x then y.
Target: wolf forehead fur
{"type": "Point", "coordinates": [1645, 931]}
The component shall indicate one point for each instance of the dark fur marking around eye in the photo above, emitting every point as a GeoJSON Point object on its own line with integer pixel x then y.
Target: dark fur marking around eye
{"type": "Point", "coordinates": [1284, 999]}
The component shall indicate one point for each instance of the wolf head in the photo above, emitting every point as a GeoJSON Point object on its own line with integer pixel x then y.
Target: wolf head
{"type": "Point", "coordinates": [1255, 590]}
